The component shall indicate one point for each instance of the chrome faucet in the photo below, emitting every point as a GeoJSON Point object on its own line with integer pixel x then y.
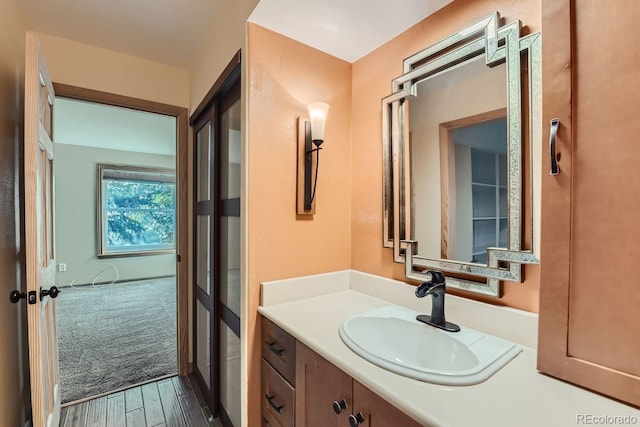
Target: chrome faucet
{"type": "Point", "coordinates": [436, 288]}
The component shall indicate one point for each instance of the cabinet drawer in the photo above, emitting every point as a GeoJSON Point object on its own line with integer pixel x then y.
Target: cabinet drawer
{"type": "Point", "coordinates": [277, 398]}
{"type": "Point", "coordinates": [266, 423]}
{"type": "Point", "coordinates": [279, 348]}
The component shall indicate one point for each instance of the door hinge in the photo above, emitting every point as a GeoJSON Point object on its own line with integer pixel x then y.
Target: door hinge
{"type": "Point", "coordinates": [178, 258]}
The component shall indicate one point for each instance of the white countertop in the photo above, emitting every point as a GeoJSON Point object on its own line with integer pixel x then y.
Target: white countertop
{"type": "Point", "coordinates": [313, 308]}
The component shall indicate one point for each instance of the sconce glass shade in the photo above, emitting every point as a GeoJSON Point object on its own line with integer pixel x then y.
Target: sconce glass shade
{"type": "Point", "coordinates": [317, 117]}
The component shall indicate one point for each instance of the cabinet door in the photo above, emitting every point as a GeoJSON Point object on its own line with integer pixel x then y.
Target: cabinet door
{"type": "Point", "coordinates": [377, 412]}
{"type": "Point", "coordinates": [318, 385]}
{"type": "Point", "coordinates": [589, 298]}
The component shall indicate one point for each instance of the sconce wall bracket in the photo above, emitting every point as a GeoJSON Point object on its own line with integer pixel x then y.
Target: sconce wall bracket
{"type": "Point", "coordinates": [307, 165]}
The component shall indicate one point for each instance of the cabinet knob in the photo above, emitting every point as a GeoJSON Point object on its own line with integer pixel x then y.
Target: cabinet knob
{"type": "Point", "coordinates": [356, 419]}
{"type": "Point", "coordinates": [339, 405]}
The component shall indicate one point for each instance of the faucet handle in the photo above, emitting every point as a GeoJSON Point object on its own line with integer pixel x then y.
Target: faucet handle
{"type": "Point", "coordinates": [437, 282]}
{"type": "Point", "coordinates": [436, 277]}
{"type": "Point", "coordinates": [428, 288]}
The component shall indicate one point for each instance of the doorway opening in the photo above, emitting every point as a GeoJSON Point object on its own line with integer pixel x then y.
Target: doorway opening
{"type": "Point", "coordinates": [473, 163]}
{"type": "Point", "coordinates": [119, 222]}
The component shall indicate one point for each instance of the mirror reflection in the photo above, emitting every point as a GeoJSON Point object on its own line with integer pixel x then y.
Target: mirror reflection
{"type": "Point", "coordinates": [458, 137]}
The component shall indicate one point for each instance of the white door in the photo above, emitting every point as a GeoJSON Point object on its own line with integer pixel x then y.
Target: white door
{"type": "Point", "coordinates": [38, 183]}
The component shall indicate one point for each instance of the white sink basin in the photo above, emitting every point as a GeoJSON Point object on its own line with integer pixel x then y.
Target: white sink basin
{"type": "Point", "coordinates": [393, 339]}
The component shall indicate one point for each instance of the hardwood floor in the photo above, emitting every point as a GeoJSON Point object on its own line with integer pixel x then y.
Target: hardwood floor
{"type": "Point", "coordinates": [171, 402]}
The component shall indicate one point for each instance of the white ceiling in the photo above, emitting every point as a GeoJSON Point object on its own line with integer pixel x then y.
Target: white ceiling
{"type": "Point", "coordinates": [95, 125]}
{"type": "Point", "coordinates": [172, 31]}
{"type": "Point", "coordinates": [346, 29]}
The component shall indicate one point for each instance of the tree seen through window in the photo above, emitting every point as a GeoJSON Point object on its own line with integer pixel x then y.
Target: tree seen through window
{"type": "Point", "coordinates": [138, 211]}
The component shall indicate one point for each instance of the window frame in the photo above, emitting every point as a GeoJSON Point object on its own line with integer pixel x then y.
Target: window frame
{"type": "Point", "coordinates": [102, 250]}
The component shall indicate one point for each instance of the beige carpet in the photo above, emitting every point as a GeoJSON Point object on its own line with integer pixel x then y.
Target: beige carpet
{"type": "Point", "coordinates": [113, 336]}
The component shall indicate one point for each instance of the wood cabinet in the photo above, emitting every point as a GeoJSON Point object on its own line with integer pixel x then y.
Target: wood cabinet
{"type": "Point", "coordinates": [299, 387]}
{"type": "Point", "coordinates": [319, 385]}
{"type": "Point", "coordinates": [279, 349]}
{"type": "Point", "coordinates": [377, 412]}
{"type": "Point", "coordinates": [590, 239]}
{"type": "Point", "coordinates": [326, 396]}
{"type": "Point", "coordinates": [278, 376]}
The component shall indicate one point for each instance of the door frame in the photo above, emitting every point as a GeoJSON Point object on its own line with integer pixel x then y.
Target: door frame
{"type": "Point", "coordinates": [182, 211]}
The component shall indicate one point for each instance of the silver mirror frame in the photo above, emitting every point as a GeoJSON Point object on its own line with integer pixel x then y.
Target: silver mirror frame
{"type": "Point", "coordinates": [499, 44]}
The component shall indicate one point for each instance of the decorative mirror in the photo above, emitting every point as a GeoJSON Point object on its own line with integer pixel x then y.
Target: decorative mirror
{"type": "Point", "coordinates": [455, 133]}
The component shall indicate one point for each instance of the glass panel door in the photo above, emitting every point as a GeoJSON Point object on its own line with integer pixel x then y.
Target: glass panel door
{"type": "Point", "coordinates": [217, 254]}
{"type": "Point", "coordinates": [230, 257]}
{"type": "Point", "coordinates": [204, 253]}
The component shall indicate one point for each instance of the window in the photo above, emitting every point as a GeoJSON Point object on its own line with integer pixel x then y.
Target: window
{"type": "Point", "coordinates": [136, 210]}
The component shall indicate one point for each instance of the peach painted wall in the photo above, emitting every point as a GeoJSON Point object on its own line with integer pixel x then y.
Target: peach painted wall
{"type": "Point", "coordinates": [15, 401]}
{"type": "Point", "coordinates": [91, 67]}
{"type": "Point", "coordinates": [372, 77]}
{"type": "Point", "coordinates": [284, 76]}
{"type": "Point", "coordinates": [226, 36]}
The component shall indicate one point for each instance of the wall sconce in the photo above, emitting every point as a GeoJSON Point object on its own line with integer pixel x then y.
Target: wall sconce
{"type": "Point", "coordinates": [310, 137]}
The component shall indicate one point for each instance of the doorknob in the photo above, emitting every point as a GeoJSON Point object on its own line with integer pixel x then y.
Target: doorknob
{"type": "Point", "coordinates": [16, 296]}
{"type": "Point", "coordinates": [52, 292]}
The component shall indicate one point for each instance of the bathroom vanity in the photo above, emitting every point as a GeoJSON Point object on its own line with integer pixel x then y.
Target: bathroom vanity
{"type": "Point", "coordinates": [300, 387]}
{"type": "Point", "coordinates": [331, 383]}
{"type": "Point", "coordinates": [473, 189]}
